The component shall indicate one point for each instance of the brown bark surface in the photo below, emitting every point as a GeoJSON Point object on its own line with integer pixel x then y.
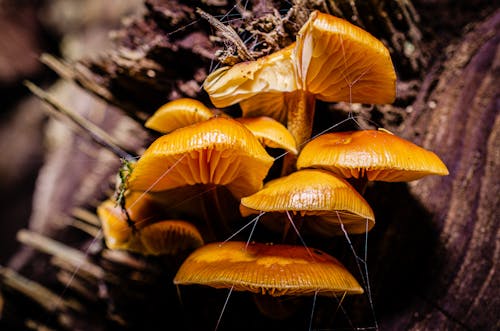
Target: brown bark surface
{"type": "Point", "coordinates": [450, 274]}
{"type": "Point", "coordinates": [433, 253]}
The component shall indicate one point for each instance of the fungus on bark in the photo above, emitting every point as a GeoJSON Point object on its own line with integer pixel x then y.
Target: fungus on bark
{"type": "Point", "coordinates": [149, 235]}
{"type": "Point", "coordinates": [324, 200]}
{"type": "Point", "coordinates": [185, 111]}
{"type": "Point", "coordinates": [177, 114]}
{"type": "Point", "coordinates": [275, 270]}
{"type": "Point", "coordinates": [270, 132]}
{"type": "Point", "coordinates": [332, 60]}
{"type": "Point", "coordinates": [375, 154]}
{"type": "Point", "coordinates": [218, 151]}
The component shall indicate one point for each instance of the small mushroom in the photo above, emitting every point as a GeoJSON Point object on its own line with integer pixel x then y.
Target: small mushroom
{"type": "Point", "coordinates": [270, 132]}
{"type": "Point", "coordinates": [230, 85]}
{"type": "Point", "coordinates": [324, 200]}
{"type": "Point", "coordinates": [275, 270]}
{"type": "Point", "coordinates": [148, 235]}
{"type": "Point", "coordinates": [218, 151]}
{"type": "Point", "coordinates": [332, 60]}
{"type": "Point", "coordinates": [377, 155]}
{"type": "Point", "coordinates": [117, 231]}
{"type": "Point", "coordinates": [177, 114]}
{"type": "Point", "coordinates": [183, 112]}
{"type": "Point", "coordinates": [170, 237]}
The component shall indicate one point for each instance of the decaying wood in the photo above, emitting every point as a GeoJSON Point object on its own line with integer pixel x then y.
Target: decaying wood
{"type": "Point", "coordinates": [93, 168]}
{"type": "Point", "coordinates": [436, 243]}
{"type": "Point", "coordinates": [459, 120]}
{"type": "Point", "coordinates": [433, 253]}
{"type": "Point", "coordinates": [98, 135]}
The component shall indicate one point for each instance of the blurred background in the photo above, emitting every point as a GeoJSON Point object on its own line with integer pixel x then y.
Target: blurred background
{"type": "Point", "coordinates": [70, 29]}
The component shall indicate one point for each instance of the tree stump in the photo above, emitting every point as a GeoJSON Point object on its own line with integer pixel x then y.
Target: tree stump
{"type": "Point", "coordinates": [433, 254]}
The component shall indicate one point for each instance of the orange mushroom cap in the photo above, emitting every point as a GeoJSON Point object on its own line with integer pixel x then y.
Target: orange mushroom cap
{"type": "Point", "coordinates": [151, 236]}
{"type": "Point", "coordinates": [177, 114]}
{"type": "Point", "coordinates": [270, 132]}
{"type": "Point", "coordinates": [378, 155]}
{"type": "Point", "coordinates": [170, 237]}
{"type": "Point", "coordinates": [218, 151]}
{"type": "Point", "coordinates": [338, 61]}
{"type": "Point", "coordinates": [140, 206]}
{"type": "Point", "coordinates": [117, 233]}
{"type": "Point", "coordinates": [267, 269]}
{"type": "Point", "coordinates": [183, 112]}
{"type": "Point", "coordinates": [314, 193]}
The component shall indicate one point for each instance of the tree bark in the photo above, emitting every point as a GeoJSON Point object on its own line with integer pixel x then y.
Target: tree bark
{"type": "Point", "coordinates": [446, 235]}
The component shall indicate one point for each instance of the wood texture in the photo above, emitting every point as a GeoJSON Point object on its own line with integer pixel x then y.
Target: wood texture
{"type": "Point", "coordinates": [458, 119]}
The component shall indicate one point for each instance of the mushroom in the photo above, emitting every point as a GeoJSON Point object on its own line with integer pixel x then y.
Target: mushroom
{"type": "Point", "coordinates": [117, 231]}
{"type": "Point", "coordinates": [149, 235]}
{"type": "Point", "coordinates": [183, 112]}
{"type": "Point", "coordinates": [270, 132]}
{"type": "Point", "coordinates": [202, 171]}
{"type": "Point", "coordinates": [325, 201]}
{"type": "Point", "coordinates": [218, 151]}
{"type": "Point", "coordinates": [177, 114]}
{"type": "Point", "coordinates": [332, 60]}
{"type": "Point", "coordinates": [275, 270]}
{"type": "Point", "coordinates": [170, 237]}
{"type": "Point", "coordinates": [376, 155]}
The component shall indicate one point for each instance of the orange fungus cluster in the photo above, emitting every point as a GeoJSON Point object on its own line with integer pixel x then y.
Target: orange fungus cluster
{"type": "Point", "coordinates": [208, 161]}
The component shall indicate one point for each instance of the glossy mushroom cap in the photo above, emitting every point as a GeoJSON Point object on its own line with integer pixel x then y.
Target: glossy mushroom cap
{"type": "Point", "coordinates": [270, 132]}
{"type": "Point", "coordinates": [378, 155]}
{"type": "Point", "coordinates": [332, 59]}
{"type": "Point", "coordinates": [338, 61]}
{"type": "Point", "coordinates": [267, 269]}
{"type": "Point", "coordinates": [184, 112]}
{"type": "Point", "coordinates": [219, 151]}
{"type": "Point", "coordinates": [177, 114]}
{"type": "Point", "coordinates": [150, 237]}
{"type": "Point", "coordinates": [314, 193]}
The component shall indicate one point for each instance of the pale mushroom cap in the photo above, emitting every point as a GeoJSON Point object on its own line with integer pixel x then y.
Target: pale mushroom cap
{"type": "Point", "coordinates": [338, 61]}
{"type": "Point", "coordinates": [230, 85]}
{"type": "Point", "coordinates": [267, 269]}
{"type": "Point", "coordinates": [219, 151]}
{"type": "Point", "coordinates": [177, 114]}
{"type": "Point", "coordinates": [379, 155]}
{"type": "Point", "coordinates": [332, 59]}
{"type": "Point", "coordinates": [270, 132]}
{"type": "Point", "coordinates": [272, 104]}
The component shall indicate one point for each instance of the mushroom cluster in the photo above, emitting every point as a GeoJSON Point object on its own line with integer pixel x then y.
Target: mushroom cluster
{"type": "Point", "coordinates": [196, 183]}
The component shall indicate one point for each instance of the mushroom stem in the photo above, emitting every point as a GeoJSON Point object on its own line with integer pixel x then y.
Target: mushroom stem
{"type": "Point", "coordinates": [300, 114]}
